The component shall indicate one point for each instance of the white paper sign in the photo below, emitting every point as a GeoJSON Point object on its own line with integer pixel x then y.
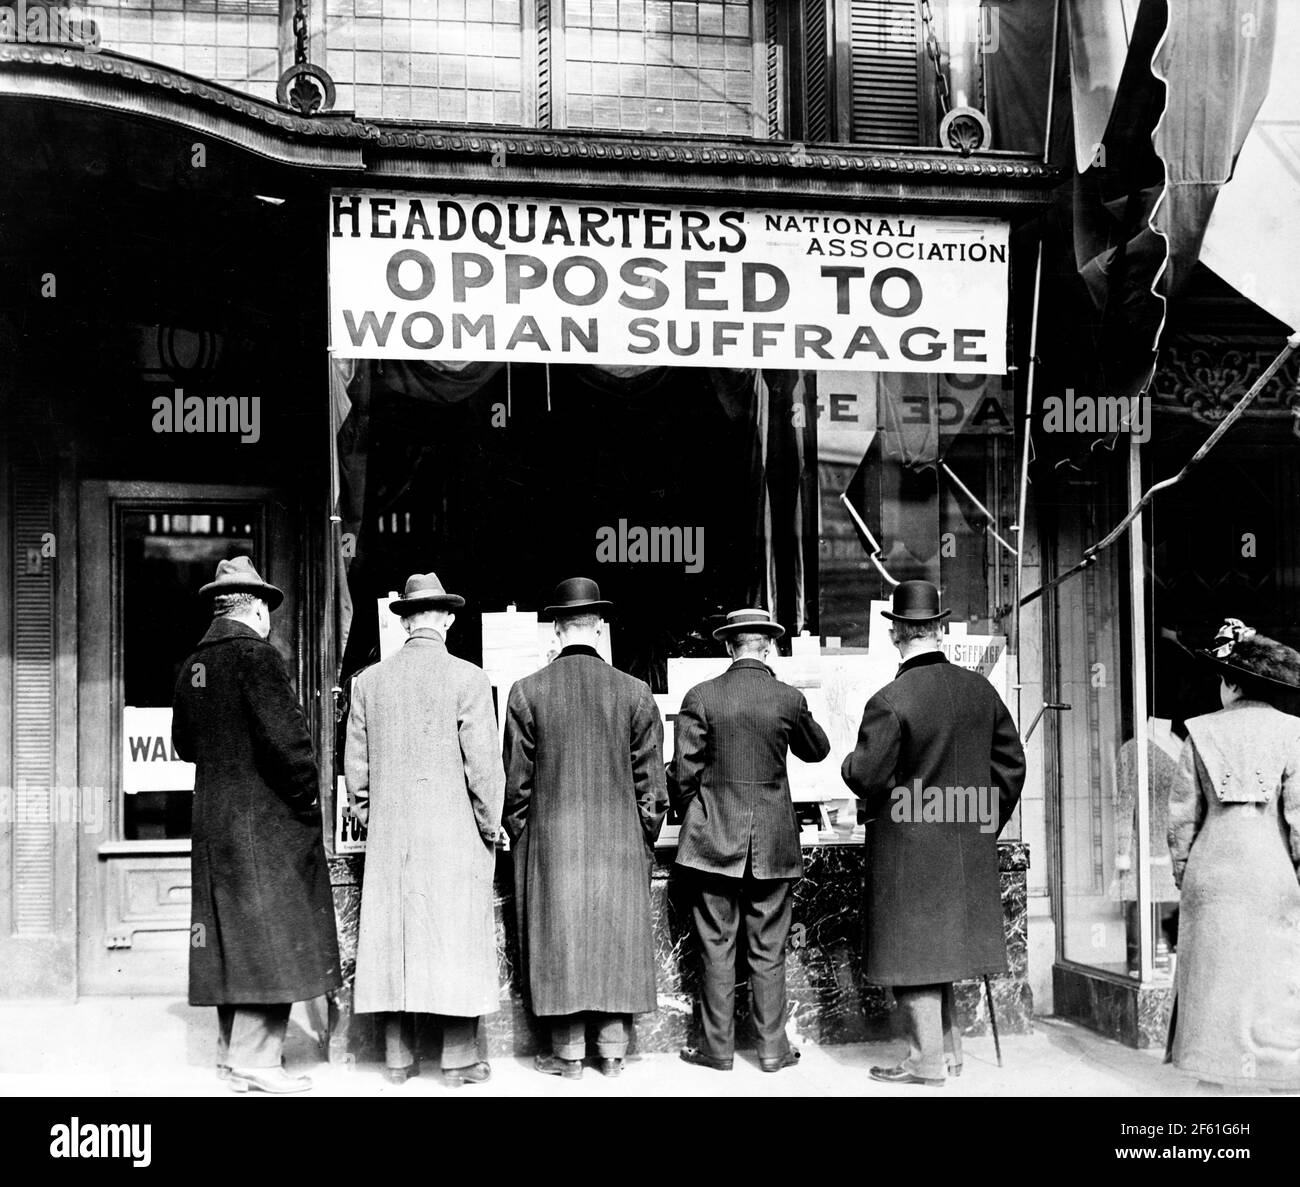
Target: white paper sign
{"type": "Point", "coordinates": [349, 832]}
{"type": "Point", "coordinates": [391, 632]}
{"type": "Point", "coordinates": [148, 761]}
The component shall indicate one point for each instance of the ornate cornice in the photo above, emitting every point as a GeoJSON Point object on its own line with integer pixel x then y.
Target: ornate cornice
{"type": "Point", "coordinates": [781, 156]}
{"type": "Point", "coordinates": [390, 150]}
{"type": "Point", "coordinates": [1205, 383]}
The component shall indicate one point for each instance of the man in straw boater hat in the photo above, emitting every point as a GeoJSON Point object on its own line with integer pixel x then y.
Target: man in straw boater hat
{"type": "Point", "coordinates": [940, 735]}
{"type": "Point", "coordinates": [739, 840]}
{"type": "Point", "coordinates": [584, 801]}
{"type": "Point", "coordinates": [424, 775]}
{"type": "Point", "coordinates": [262, 911]}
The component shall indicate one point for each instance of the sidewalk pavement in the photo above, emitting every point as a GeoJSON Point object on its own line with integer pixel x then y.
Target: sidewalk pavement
{"type": "Point", "coordinates": [157, 1046]}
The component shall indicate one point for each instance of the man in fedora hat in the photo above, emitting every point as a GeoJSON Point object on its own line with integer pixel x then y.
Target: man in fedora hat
{"type": "Point", "coordinates": [262, 912]}
{"type": "Point", "coordinates": [584, 801]}
{"type": "Point", "coordinates": [933, 911]}
{"type": "Point", "coordinates": [739, 839]}
{"type": "Point", "coordinates": [424, 775]}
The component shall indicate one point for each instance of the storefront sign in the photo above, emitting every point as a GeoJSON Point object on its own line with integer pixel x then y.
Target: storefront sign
{"type": "Point", "coordinates": [149, 762]}
{"type": "Point", "coordinates": [460, 278]}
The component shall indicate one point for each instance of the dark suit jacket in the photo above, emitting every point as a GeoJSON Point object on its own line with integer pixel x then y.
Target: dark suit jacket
{"type": "Point", "coordinates": [933, 907]}
{"type": "Point", "coordinates": [584, 801]}
{"type": "Point", "coordinates": [728, 774]}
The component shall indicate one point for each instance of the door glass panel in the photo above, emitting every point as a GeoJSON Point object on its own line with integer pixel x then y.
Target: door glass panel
{"type": "Point", "coordinates": [168, 551]}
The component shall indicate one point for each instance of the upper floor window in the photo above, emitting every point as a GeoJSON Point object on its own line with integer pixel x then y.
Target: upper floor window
{"type": "Point", "coordinates": [848, 71]}
{"type": "Point", "coordinates": [235, 42]}
{"type": "Point", "coordinates": [656, 66]}
{"type": "Point", "coordinates": [451, 61]}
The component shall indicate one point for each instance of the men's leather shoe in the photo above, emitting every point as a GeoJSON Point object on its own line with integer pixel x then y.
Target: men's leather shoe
{"type": "Point", "coordinates": [399, 1075]}
{"type": "Point", "coordinates": [777, 1062]}
{"type": "Point", "coordinates": [267, 1079]}
{"type": "Point", "coordinates": [611, 1067]}
{"type": "Point", "coordinates": [474, 1073]}
{"type": "Point", "coordinates": [553, 1065]}
{"type": "Point", "coordinates": [696, 1056]}
{"type": "Point", "coordinates": [900, 1075]}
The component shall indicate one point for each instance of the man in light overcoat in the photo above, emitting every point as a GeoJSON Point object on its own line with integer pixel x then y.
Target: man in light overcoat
{"type": "Point", "coordinates": [739, 840]}
{"type": "Point", "coordinates": [424, 775]}
{"type": "Point", "coordinates": [939, 735]}
{"type": "Point", "coordinates": [263, 931]}
{"type": "Point", "coordinates": [585, 798]}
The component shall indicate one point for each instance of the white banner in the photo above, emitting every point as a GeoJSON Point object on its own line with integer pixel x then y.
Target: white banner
{"type": "Point", "coordinates": [462, 278]}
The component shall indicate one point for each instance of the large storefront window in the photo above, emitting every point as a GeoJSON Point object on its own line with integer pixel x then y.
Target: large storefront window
{"type": "Point", "coordinates": [1101, 864]}
{"type": "Point", "coordinates": [700, 408]}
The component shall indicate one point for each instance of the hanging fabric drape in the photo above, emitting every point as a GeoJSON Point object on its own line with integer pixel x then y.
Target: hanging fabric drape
{"type": "Point", "coordinates": [782, 481]}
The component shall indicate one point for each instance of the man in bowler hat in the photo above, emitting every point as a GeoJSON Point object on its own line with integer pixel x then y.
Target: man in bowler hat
{"type": "Point", "coordinates": [424, 775]}
{"type": "Point", "coordinates": [739, 840]}
{"type": "Point", "coordinates": [933, 908]}
{"type": "Point", "coordinates": [262, 911]}
{"type": "Point", "coordinates": [584, 801]}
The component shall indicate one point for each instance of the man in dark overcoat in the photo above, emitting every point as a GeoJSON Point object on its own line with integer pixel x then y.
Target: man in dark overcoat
{"type": "Point", "coordinates": [739, 840]}
{"type": "Point", "coordinates": [939, 768]}
{"type": "Point", "coordinates": [585, 797]}
{"type": "Point", "coordinates": [423, 768]}
{"type": "Point", "coordinates": [263, 932]}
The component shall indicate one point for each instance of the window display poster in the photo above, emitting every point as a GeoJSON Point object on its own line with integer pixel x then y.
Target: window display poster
{"type": "Point", "coordinates": [349, 832]}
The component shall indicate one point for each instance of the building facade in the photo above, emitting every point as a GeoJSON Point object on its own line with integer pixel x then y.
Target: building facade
{"type": "Point", "coordinates": [179, 385]}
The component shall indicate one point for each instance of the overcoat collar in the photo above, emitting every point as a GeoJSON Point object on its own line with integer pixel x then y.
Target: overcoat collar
{"type": "Point", "coordinates": [924, 660]}
{"type": "Point", "coordinates": [580, 649]}
{"type": "Point", "coordinates": [229, 628]}
{"type": "Point", "coordinates": [1243, 750]}
{"type": "Point", "coordinates": [426, 634]}
{"type": "Point", "coordinates": [750, 665]}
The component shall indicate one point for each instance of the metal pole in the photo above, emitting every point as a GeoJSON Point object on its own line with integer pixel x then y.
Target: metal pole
{"type": "Point", "coordinates": [1137, 612]}
{"type": "Point", "coordinates": [1022, 504]}
{"type": "Point", "coordinates": [1051, 81]}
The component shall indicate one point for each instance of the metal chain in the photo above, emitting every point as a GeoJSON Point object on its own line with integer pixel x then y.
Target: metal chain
{"type": "Point", "coordinates": [301, 43]}
{"type": "Point", "coordinates": [935, 54]}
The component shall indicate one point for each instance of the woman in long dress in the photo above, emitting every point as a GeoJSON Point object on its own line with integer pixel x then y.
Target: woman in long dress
{"type": "Point", "coordinates": [1234, 837]}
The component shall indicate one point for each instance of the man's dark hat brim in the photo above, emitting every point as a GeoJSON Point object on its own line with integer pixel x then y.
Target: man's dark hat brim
{"type": "Point", "coordinates": [417, 604]}
{"type": "Point", "coordinates": [915, 617]}
{"type": "Point", "coordinates": [582, 606]}
{"type": "Point", "coordinates": [272, 595]}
